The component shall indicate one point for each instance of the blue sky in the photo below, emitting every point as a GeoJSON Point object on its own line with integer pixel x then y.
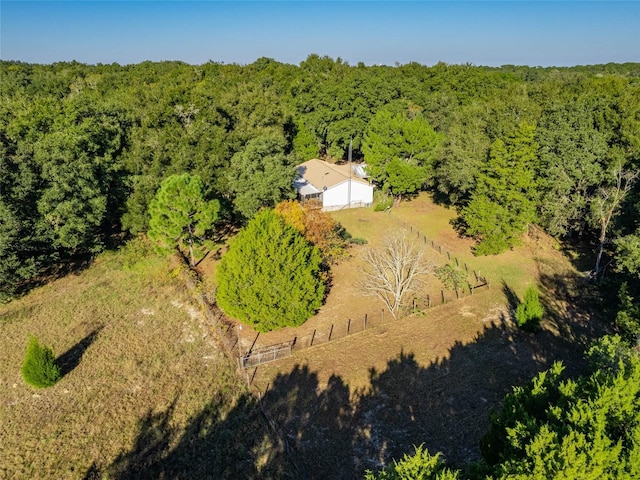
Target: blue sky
{"type": "Point", "coordinates": [540, 33]}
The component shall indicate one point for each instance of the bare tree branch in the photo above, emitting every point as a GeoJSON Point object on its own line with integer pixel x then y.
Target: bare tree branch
{"type": "Point", "coordinates": [606, 203]}
{"type": "Point", "coordinates": [393, 271]}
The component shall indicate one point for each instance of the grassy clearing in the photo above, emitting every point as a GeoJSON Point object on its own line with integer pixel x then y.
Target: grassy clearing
{"type": "Point", "coordinates": [425, 379]}
{"type": "Point", "coordinates": [141, 374]}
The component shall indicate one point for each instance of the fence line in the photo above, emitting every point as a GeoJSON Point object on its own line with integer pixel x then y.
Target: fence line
{"type": "Point", "coordinates": [350, 326]}
{"type": "Point", "coordinates": [481, 281]}
{"type": "Point", "coordinates": [267, 354]}
{"type": "Point", "coordinates": [353, 325]}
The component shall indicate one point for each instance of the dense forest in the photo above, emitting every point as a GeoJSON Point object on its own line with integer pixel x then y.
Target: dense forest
{"type": "Point", "coordinates": [85, 148]}
{"type": "Point", "coordinates": [88, 153]}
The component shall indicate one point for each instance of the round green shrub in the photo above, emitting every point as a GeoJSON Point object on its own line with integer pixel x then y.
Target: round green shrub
{"type": "Point", "coordinates": [271, 277]}
{"type": "Point", "coordinates": [39, 368]}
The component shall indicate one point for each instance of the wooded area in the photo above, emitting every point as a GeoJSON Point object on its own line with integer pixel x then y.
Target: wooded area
{"type": "Point", "coordinates": [91, 155]}
{"type": "Point", "coordinates": [85, 148]}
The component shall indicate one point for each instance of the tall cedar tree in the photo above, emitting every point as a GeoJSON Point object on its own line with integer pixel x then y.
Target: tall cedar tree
{"type": "Point", "coordinates": [270, 277]}
{"type": "Point", "coordinates": [553, 428]}
{"type": "Point", "coordinates": [503, 204]}
{"type": "Point", "coordinates": [180, 215]}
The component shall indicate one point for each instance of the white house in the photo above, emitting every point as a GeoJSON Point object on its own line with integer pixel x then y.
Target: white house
{"type": "Point", "coordinates": [336, 186]}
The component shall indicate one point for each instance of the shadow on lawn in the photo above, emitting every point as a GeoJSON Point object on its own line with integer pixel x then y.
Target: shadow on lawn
{"type": "Point", "coordinates": [512, 298]}
{"type": "Point", "coordinates": [333, 434]}
{"type": "Point", "coordinates": [214, 445]}
{"type": "Point", "coordinates": [70, 359]}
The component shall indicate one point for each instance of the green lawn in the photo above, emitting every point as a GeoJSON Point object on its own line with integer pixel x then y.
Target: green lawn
{"type": "Point", "coordinates": [518, 268]}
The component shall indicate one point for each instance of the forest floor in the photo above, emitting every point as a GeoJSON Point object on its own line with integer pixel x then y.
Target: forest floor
{"type": "Point", "coordinates": [431, 377]}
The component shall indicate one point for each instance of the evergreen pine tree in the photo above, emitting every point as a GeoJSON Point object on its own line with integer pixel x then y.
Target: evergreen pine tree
{"type": "Point", "coordinates": [39, 368]}
{"type": "Point", "coordinates": [270, 277]}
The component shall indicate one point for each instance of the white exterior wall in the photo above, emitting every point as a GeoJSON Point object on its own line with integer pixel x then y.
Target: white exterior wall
{"type": "Point", "coordinates": [338, 196]}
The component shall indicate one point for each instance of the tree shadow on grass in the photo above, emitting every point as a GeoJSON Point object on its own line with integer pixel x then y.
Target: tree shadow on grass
{"type": "Point", "coordinates": [217, 443]}
{"type": "Point", "coordinates": [317, 422]}
{"type": "Point", "coordinates": [568, 302]}
{"type": "Point", "coordinates": [70, 359]}
{"type": "Point", "coordinates": [444, 405]}
{"type": "Point", "coordinates": [324, 431]}
{"type": "Point", "coordinates": [512, 298]}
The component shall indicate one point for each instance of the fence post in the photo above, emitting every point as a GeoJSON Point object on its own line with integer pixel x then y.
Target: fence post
{"type": "Point", "coordinates": [313, 335]}
{"type": "Point", "coordinates": [457, 296]}
{"type": "Point", "coordinates": [470, 289]}
{"type": "Point", "coordinates": [442, 292]}
{"type": "Point", "coordinates": [348, 326]}
{"type": "Point", "coordinates": [425, 239]}
{"type": "Point", "coordinates": [466, 268]}
{"type": "Point", "coordinates": [365, 321]}
{"type": "Point", "coordinates": [330, 332]}
{"type": "Point", "coordinates": [440, 249]}
{"type": "Point", "coordinates": [383, 315]}
{"type": "Point", "coordinates": [428, 301]}
{"type": "Point", "coordinates": [449, 255]}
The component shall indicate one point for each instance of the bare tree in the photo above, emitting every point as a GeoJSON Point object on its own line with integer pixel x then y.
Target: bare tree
{"type": "Point", "coordinates": [605, 204]}
{"type": "Point", "coordinates": [392, 271]}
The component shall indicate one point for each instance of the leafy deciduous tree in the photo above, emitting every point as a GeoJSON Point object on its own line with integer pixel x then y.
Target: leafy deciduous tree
{"type": "Point", "coordinates": [399, 150]}
{"type": "Point", "coordinates": [606, 203]}
{"type": "Point", "coordinates": [318, 227]}
{"type": "Point", "coordinates": [261, 175]}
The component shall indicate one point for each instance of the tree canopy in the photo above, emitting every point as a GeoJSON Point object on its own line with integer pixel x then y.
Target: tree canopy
{"type": "Point", "coordinates": [399, 149]}
{"type": "Point", "coordinates": [261, 175]}
{"type": "Point", "coordinates": [84, 148]}
{"type": "Point", "coordinates": [181, 217]}
{"type": "Point", "coordinates": [270, 276]}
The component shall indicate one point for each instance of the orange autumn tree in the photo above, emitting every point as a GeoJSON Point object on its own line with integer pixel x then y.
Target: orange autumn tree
{"type": "Point", "coordinates": [317, 227]}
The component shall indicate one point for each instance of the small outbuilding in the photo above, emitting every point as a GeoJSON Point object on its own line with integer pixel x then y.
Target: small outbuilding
{"type": "Point", "coordinates": [334, 186]}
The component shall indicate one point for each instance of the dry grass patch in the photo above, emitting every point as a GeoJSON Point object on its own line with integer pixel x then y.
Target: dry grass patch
{"type": "Point", "coordinates": [425, 379]}
{"type": "Point", "coordinates": [140, 370]}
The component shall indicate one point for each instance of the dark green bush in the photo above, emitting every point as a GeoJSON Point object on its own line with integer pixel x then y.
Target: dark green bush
{"type": "Point", "coordinates": [39, 368]}
{"type": "Point", "coordinates": [358, 241]}
{"type": "Point", "coordinates": [270, 277]}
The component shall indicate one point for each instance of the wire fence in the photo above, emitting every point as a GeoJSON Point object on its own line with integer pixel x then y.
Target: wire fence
{"type": "Point", "coordinates": [376, 319]}
{"type": "Point", "coordinates": [351, 326]}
